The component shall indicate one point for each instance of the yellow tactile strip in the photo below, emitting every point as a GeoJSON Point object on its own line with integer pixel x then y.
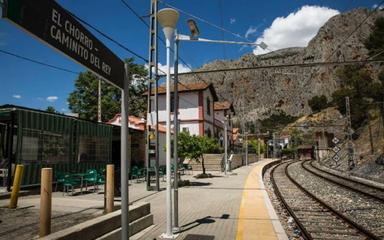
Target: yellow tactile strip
{"type": "Point", "coordinates": [254, 220]}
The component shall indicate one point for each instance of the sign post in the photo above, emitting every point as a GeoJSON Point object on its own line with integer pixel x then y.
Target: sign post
{"type": "Point", "coordinates": [52, 24]}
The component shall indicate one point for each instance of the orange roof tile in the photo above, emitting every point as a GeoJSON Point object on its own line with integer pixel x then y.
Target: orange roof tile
{"type": "Point", "coordinates": [224, 105]}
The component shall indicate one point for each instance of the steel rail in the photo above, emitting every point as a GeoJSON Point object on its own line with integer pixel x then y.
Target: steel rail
{"type": "Point", "coordinates": [306, 234]}
{"type": "Point", "coordinates": [336, 212]}
{"type": "Point", "coordinates": [355, 189]}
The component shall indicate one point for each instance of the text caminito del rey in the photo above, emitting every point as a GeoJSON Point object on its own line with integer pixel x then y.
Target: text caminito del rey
{"type": "Point", "coordinates": [74, 39]}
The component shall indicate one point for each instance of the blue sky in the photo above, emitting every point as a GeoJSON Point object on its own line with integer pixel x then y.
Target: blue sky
{"type": "Point", "coordinates": [28, 84]}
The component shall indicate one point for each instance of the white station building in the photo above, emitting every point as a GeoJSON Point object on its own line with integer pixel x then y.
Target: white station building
{"type": "Point", "coordinates": [200, 113]}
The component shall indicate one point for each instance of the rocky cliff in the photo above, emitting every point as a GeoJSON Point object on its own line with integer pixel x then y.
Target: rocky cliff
{"type": "Point", "coordinates": [260, 92]}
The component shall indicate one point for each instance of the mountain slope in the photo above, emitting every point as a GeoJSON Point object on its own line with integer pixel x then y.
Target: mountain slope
{"type": "Point", "coordinates": [261, 92]}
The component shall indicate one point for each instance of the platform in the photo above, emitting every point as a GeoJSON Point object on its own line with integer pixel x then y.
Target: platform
{"type": "Point", "coordinates": [225, 207]}
{"type": "Point", "coordinates": [257, 218]}
{"type": "Point", "coordinates": [229, 207]}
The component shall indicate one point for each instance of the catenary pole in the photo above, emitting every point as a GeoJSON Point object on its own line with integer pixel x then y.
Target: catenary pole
{"type": "Point", "coordinates": [351, 160]}
{"type": "Point", "coordinates": [153, 79]}
{"type": "Point", "coordinates": [156, 65]}
{"type": "Point", "coordinates": [125, 161]}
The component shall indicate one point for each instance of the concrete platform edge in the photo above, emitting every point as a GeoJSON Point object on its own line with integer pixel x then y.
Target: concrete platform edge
{"type": "Point", "coordinates": [279, 230]}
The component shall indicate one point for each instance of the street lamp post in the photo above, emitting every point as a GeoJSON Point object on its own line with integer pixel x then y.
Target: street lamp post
{"type": "Point", "coordinates": [226, 145]}
{"type": "Point", "coordinates": [168, 18]}
{"type": "Point", "coordinates": [175, 135]}
{"type": "Point", "coordinates": [125, 157]}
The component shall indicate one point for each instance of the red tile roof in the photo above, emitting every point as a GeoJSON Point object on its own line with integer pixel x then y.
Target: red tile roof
{"type": "Point", "coordinates": [224, 105]}
{"type": "Point", "coordinates": [134, 123]}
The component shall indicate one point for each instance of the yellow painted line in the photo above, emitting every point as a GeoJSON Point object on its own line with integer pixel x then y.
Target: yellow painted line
{"type": "Point", "coordinates": [254, 220]}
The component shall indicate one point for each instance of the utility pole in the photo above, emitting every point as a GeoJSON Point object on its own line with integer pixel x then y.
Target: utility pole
{"type": "Point", "coordinates": [153, 149]}
{"type": "Point", "coordinates": [274, 145]}
{"type": "Point", "coordinates": [246, 148]}
{"type": "Point", "coordinates": [257, 132]}
{"type": "Point", "coordinates": [351, 153]}
{"type": "Point", "coordinates": [99, 101]}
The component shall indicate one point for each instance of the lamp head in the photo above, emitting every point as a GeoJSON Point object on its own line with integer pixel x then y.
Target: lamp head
{"type": "Point", "coordinates": [263, 45]}
{"type": "Point", "coordinates": [168, 18]}
{"type": "Point", "coordinates": [193, 28]}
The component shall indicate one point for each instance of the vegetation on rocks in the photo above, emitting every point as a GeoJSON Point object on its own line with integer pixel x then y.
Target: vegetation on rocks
{"type": "Point", "coordinates": [318, 103]}
{"type": "Point", "coordinates": [276, 121]}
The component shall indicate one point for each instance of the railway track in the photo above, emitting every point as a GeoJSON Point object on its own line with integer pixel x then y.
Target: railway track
{"type": "Point", "coordinates": [315, 218]}
{"type": "Point", "coordinates": [361, 187]}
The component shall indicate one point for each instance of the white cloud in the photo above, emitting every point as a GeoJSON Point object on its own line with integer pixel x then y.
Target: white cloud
{"type": "Point", "coordinates": [376, 5]}
{"type": "Point", "coordinates": [296, 29]}
{"type": "Point", "coordinates": [181, 68]}
{"type": "Point", "coordinates": [163, 68]}
{"type": "Point", "coordinates": [52, 98]}
{"type": "Point", "coordinates": [251, 30]}
{"type": "Point", "coordinates": [232, 20]}
{"type": "Point", "coordinates": [17, 96]}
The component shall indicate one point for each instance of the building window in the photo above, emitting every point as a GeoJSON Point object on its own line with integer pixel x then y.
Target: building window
{"type": "Point", "coordinates": [172, 103]}
{"type": "Point", "coordinates": [208, 132]}
{"type": "Point", "coordinates": [208, 106]}
{"type": "Point", "coordinates": [185, 129]}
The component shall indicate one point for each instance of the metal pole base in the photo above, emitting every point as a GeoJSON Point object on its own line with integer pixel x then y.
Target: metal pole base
{"type": "Point", "coordinates": [166, 236]}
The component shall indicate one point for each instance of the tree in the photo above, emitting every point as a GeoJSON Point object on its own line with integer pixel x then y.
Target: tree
{"type": "Point", "coordinates": [375, 41]}
{"type": "Point", "coordinates": [194, 147]}
{"type": "Point", "coordinates": [318, 103]}
{"type": "Point", "coordinates": [358, 85]}
{"type": "Point", "coordinates": [51, 109]}
{"type": "Point", "coordinates": [83, 100]}
{"type": "Point", "coordinates": [254, 144]}
{"type": "Point", "coordinates": [277, 120]}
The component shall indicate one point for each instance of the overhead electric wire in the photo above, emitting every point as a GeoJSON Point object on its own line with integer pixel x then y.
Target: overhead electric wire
{"type": "Point", "coordinates": [204, 21]}
{"type": "Point", "coordinates": [108, 37]}
{"type": "Point", "coordinates": [162, 40]}
{"type": "Point", "coordinates": [135, 13]}
{"type": "Point", "coordinates": [38, 62]}
{"type": "Point", "coordinates": [313, 64]}
{"type": "Point", "coordinates": [355, 30]}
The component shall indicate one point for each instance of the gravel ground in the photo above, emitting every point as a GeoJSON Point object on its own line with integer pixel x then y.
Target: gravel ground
{"type": "Point", "coordinates": [348, 174]}
{"type": "Point", "coordinates": [357, 185]}
{"type": "Point", "coordinates": [364, 210]}
{"type": "Point", "coordinates": [285, 218]}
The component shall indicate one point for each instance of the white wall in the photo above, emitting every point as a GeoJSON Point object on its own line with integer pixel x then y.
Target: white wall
{"type": "Point", "coordinates": [162, 154]}
{"type": "Point", "coordinates": [188, 107]}
{"type": "Point", "coordinates": [193, 127]}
